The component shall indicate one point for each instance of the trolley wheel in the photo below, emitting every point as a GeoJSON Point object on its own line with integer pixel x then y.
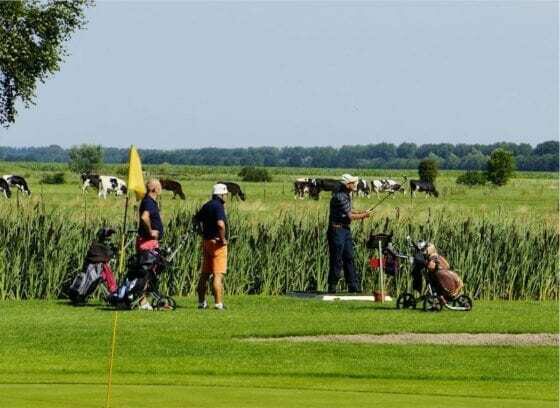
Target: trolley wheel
{"type": "Point", "coordinates": [164, 303]}
{"type": "Point", "coordinates": [406, 301]}
{"type": "Point", "coordinates": [463, 301]}
{"type": "Point", "coordinates": [432, 304]}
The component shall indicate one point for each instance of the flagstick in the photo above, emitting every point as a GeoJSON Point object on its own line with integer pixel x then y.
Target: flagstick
{"type": "Point", "coordinates": [110, 379]}
{"type": "Point", "coordinates": [123, 238]}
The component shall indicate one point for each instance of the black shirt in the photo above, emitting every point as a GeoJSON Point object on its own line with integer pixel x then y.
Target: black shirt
{"type": "Point", "coordinates": [341, 205]}
{"type": "Point", "coordinates": [150, 205]}
{"type": "Point", "coordinates": [209, 215]}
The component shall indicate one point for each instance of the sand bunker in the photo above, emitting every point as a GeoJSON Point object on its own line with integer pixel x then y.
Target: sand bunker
{"type": "Point", "coordinates": [446, 339]}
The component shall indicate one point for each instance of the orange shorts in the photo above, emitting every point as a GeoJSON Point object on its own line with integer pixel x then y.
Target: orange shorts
{"type": "Point", "coordinates": [214, 257]}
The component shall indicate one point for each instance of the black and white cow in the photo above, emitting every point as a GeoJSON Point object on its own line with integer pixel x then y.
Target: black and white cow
{"type": "Point", "coordinates": [393, 186]}
{"type": "Point", "coordinates": [363, 188]}
{"type": "Point", "coordinates": [17, 182]}
{"type": "Point", "coordinates": [422, 186]}
{"type": "Point", "coordinates": [234, 189]}
{"type": "Point", "coordinates": [302, 186]}
{"type": "Point", "coordinates": [320, 184]}
{"type": "Point", "coordinates": [111, 184]}
{"type": "Point", "coordinates": [104, 184]}
{"type": "Point", "coordinates": [5, 188]}
{"type": "Point", "coordinates": [90, 180]}
{"type": "Point", "coordinates": [173, 186]}
{"type": "Point", "coordinates": [378, 186]}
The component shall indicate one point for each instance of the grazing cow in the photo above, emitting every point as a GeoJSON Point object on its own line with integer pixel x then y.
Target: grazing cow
{"type": "Point", "coordinates": [5, 188]}
{"type": "Point", "coordinates": [18, 182]}
{"type": "Point", "coordinates": [302, 186]}
{"type": "Point", "coordinates": [378, 186]}
{"type": "Point", "coordinates": [110, 184]}
{"type": "Point", "coordinates": [422, 186]}
{"type": "Point", "coordinates": [363, 188]}
{"type": "Point", "coordinates": [318, 185]}
{"type": "Point", "coordinates": [90, 180]}
{"type": "Point", "coordinates": [174, 186]}
{"type": "Point", "coordinates": [234, 189]}
{"type": "Point", "coordinates": [393, 186]}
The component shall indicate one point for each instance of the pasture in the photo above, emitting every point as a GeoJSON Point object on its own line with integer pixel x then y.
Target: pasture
{"type": "Point", "coordinates": [531, 198]}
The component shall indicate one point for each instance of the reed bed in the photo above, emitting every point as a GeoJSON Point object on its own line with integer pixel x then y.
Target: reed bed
{"type": "Point", "coordinates": [40, 250]}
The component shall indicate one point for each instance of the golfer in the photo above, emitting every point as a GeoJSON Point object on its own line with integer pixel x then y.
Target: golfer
{"type": "Point", "coordinates": [339, 235]}
{"type": "Point", "coordinates": [150, 229]}
{"type": "Point", "coordinates": [212, 217]}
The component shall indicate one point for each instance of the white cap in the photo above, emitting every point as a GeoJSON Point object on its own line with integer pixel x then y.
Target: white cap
{"type": "Point", "coordinates": [219, 189]}
{"type": "Point", "coordinates": [347, 178]}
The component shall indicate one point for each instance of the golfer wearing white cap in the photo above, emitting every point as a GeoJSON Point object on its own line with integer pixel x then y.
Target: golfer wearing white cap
{"type": "Point", "coordinates": [213, 219]}
{"type": "Point", "coordinates": [339, 235]}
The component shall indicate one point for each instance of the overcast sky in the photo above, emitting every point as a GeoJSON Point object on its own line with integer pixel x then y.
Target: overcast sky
{"type": "Point", "coordinates": [186, 75]}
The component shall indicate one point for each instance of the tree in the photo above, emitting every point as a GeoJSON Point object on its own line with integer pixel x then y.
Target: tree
{"type": "Point", "coordinates": [254, 174]}
{"type": "Point", "coordinates": [32, 37]}
{"type": "Point", "coordinates": [550, 147]}
{"type": "Point", "coordinates": [472, 178]}
{"type": "Point", "coordinates": [85, 158]}
{"type": "Point", "coordinates": [428, 170]}
{"type": "Point", "coordinates": [407, 150]}
{"type": "Point", "coordinates": [500, 167]}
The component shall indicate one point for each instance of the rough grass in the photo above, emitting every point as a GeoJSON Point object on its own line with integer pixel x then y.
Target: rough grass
{"type": "Point", "coordinates": [54, 355]}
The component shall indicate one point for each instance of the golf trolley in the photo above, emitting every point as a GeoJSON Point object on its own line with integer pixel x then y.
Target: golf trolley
{"type": "Point", "coordinates": [434, 297]}
{"type": "Point", "coordinates": [144, 270]}
{"type": "Point", "coordinates": [96, 270]}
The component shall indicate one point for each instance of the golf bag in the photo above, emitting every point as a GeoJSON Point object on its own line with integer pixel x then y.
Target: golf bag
{"type": "Point", "coordinates": [143, 272]}
{"type": "Point", "coordinates": [96, 269]}
{"type": "Point", "coordinates": [443, 286]}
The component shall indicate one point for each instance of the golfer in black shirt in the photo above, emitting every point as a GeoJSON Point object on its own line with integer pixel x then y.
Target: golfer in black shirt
{"type": "Point", "coordinates": [339, 236]}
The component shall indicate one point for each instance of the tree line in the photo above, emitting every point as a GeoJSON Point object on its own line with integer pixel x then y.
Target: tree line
{"type": "Point", "coordinates": [542, 157]}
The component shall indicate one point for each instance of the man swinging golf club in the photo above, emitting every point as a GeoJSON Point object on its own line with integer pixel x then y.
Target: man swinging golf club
{"type": "Point", "coordinates": [339, 235]}
{"type": "Point", "coordinates": [213, 220]}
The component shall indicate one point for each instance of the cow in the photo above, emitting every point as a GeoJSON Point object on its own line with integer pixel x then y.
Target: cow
{"type": "Point", "coordinates": [363, 188]}
{"type": "Point", "coordinates": [395, 187]}
{"type": "Point", "coordinates": [5, 188]}
{"type": "Point", "coordinates": [302, 186]}
{"type": "Point", "coordinates": [422, 186]}
{"type": "Point", "coordinates": [18, 182]}
{"type": "Point", "coordinates": [111, 184]}
{"type": "Point", "coordinates": [318, 185]}
{"type": "Point", "coordinates": [173, 186]}
{"type": "Point", "coordinates": [378, 186]}
{"type": "Point", "coordinates": [90, 180]}
{"type": "Point", "coordinates": [234, 189]}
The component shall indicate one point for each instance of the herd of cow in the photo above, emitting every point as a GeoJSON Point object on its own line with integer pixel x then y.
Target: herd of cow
{"type": "Point", "coordinates": [312, 187]}
{"type": "Point", "coordinates": [111, 184]}
{"type": "Point", "coordinates": [303, 187]}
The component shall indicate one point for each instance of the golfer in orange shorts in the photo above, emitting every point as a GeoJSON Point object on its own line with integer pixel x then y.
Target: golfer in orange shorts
{"type": "Point", "coordinates": [212, 217]}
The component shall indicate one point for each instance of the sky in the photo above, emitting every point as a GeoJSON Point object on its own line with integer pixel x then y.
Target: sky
{"type": "Point", "coordinates": [236, 74]}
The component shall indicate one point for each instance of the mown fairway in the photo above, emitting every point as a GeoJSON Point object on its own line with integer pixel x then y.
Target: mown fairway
{"type": "Point", "coordinates": [55, 355]}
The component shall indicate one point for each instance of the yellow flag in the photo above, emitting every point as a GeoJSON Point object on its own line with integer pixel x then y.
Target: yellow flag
{"type": "Point", "coordinates": [135, 176]}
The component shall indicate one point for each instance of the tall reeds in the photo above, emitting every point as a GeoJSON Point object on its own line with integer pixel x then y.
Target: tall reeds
{"type": "Point", "coordinates": [41, 250]}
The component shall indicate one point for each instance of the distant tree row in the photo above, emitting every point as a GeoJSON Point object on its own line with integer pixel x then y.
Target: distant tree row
{"type": "Point", "coordinates": [543, 157]}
